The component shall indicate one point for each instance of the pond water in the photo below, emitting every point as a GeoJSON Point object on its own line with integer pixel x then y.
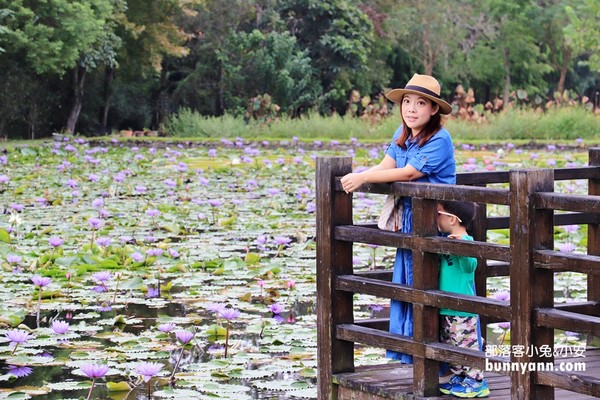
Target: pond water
{"type": "Point", "coordinates": [142, 245]}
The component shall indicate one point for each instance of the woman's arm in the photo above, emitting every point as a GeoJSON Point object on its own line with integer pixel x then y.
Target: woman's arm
{"type": "Point", "coordinates": [384, 172]}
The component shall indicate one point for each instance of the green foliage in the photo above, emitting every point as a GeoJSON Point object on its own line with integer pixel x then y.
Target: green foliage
{"type": "Point", "coordinates": [560, 124]}
{"type": "Point", "coordinates": [583, 30]}
{"type": "Point", "coordinates": [517, 124]}
{"type": "Point", "coordinates": [338, 36]}
{"type": "Point", "coordinates": [255, 63]}
{"type": "Point", "coordinates": [53, 34]}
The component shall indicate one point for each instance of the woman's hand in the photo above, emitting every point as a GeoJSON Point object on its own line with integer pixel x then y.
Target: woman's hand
{"type": "Point", "coordinates": [352, 182]}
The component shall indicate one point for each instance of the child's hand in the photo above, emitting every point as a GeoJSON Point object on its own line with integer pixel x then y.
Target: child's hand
{"type": "Point", "coordinates": [454, 236]}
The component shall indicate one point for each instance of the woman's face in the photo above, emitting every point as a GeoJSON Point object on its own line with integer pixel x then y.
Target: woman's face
{"type": "Point", "coordinates": [417, 111]}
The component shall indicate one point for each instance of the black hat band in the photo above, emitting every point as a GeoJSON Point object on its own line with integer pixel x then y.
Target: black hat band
{"type": "Point", "coordinates": [422, 90]}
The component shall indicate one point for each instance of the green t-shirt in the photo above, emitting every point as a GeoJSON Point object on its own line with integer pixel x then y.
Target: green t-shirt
{"type": "Point", "coordinates": [457, 275]}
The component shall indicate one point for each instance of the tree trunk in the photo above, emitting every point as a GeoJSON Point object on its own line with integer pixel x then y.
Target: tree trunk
{"type": "Point", "coordinates": [560, 87]}
{"type": "Point", "coordinates": [220, 92]}
{"type": "Point", "coordinates": [77, 93]}
{"type": "Point", "coordinates": [158, 101]}
{"type": "Point", "coordinates": [506, 95]}
{"type": "Point", "coordinates": [109, 74]}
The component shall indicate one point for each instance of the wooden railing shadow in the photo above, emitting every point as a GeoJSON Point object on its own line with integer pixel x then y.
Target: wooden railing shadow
{"type": "Point", "coordinates": [529, 260]}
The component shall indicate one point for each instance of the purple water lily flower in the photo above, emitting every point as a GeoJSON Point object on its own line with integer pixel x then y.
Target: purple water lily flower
{"type": "Point", "coordinates": [152, 292]}
{"type": "Point", "coordinates": [18, 336]}
{"type": "Point", "coordinates": [184, 336]}
{"type": "Point", "coordinates": [103, 241]}
{"type": "Point", "coordinates": [168, 327]}
{"type": "Point", "coordinates": [148, 369]}
{"type": "Point", "coordinates": [566, 247]}
{"type": "Point", "coordinates": [276, 308]}
{"type": "Point", "coordinates": [55, 241]}
{"type": "Point", "coordinates": [215, 202]}
{"type": "Point", "coordinates": [137, 257]}
{"type": "Point", "coordinates": [152, 212]}
{"type": "Point", "coordinates": [170, 183]}
{"type": "Point", "coordinates": [282, 240]}
{"type": "Point", "coordinates": [17, 207]}
{"type": "Point", "coordinates": [229, 313]}
{"type": "Point", "coordinates": [216, 307]}
{"type": "Point", "coordinates": [59, 327]}
{"type": "Point", "coordinates": [40, 281]}
{"type": "Point", "coordinates": [99, 202]}
{"type": "Point", "coordinates": [19, 371]}
{"type": "Point", "coordinates": [13, 259]}
{"type": "Point", "coordinates": [95, 223]}
{"type": "Point", "coordinates": [155, 252]}
{"type": "Point", "coordinates": [94, 371]}
{"type": "Point", "coordinates": [502, 295]}
{"type": "Point", "coordinates": [101, 276]}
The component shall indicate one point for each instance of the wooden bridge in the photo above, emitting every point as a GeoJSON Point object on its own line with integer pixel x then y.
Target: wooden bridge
{"type": "Point", "coordinates": [529, 261]}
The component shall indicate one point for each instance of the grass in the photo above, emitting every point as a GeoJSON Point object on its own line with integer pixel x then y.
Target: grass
{"type": "Point", "coordinates": [561, 125]}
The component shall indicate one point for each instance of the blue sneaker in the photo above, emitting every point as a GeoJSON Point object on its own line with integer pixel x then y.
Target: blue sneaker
{"type": "Point", "coordinates": [446, 387]}
{"type": "Point", "coordinates": [470, 388]}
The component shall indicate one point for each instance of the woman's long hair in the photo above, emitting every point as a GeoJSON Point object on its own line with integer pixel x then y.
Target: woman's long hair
{"type": "Point", "coordinates": [430, 129]}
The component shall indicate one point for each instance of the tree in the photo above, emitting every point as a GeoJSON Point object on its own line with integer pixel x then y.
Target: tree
{"type": "Point", "coordinates": [423, 28]}
{"type": "Point", "coordinates": [583, 30]}
{"type": "Point", "coordinates": [338, 36]}
{"type": "Point", "coordinates": [255, 63]}
{"type": "Point", "coordinates": [57, 36]}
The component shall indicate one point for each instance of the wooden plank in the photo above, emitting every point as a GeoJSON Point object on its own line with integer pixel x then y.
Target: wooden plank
{"type": "Point", "coordinates": [593, 280]}
{"type": "Point", "coordinates": [405, 344]}
{"type": "Point", "coordinates": [559, 261]}
{"type": "Point", "coordinates": [572, 381]}
{"type": "Point", "coordinates": [437, 191]}
{"type": "Point", "coordinates": [432, 244]}
{"type": "Point", "coordinates": [377, 338]}
{"type": "Point", "coordinates": [590, 172]}
{"type": "Point", "coordinates": [560, 174]}
{"type": "Point", "coordinates": [333, 258]}
{"type": "Point", "coordinates": [425, 318]}
{"type": "Point", "coordinates": [394, 381]}
{"type": "Point", "coordinates": [584, 307]}
{"type": "Point", "coordinates": [529, 229]}
{"type": "Point", "coordinates": [568, 321]}
{"type": "Point", "coordinates": [431, 298]}
{"type": "Point", "coordinates": [567, 202]}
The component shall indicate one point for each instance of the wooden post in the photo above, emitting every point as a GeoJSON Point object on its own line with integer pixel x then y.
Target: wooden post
{"type": "Point", "coordinates": [593, 281]}
{"type": "Point", "coordinates": [530, 229]}
{"type": "Point", "coordinates": [479, 232]}
{"type": "Point", "coordinates": [425, 318]}
{"type": "Point", "coordinates": [333, 258]}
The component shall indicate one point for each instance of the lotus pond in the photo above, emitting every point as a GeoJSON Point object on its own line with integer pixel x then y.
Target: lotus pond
{"type": "Point", "coordinates": [188, 272]}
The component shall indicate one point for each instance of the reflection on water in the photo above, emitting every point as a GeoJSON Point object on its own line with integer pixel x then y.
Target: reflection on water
{"type": "Point", "coordinates": [146, 317]}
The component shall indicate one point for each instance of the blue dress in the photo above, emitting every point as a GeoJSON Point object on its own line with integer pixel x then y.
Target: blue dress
{"type": "Point", "coordinates": [436, 160]}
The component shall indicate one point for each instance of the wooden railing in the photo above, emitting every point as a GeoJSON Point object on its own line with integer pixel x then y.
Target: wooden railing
{"type": "Point", "coordinates": [529, 261]}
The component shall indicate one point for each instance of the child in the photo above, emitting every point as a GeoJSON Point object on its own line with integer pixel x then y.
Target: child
{"type": "Point", "coordinates": [457, 274]}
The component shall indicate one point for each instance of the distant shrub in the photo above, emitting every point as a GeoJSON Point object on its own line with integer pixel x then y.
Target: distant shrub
{"type": "Point", "coordinates": [560, 124]}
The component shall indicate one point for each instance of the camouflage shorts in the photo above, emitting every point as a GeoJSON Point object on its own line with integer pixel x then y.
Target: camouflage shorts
{"type": "Point", "coordinates": [461, 332]}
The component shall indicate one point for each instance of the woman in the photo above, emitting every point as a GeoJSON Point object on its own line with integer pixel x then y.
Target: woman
{"type": "Point", "coordinates": [422, 151]}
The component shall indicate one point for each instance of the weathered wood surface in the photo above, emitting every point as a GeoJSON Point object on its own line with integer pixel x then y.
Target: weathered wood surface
{"type": "Point", "coordinates": [334, 257]}
{"type": "Point", "coordinates": [394, 381]}
{"type": "Point", "coordinates": [529, 261]}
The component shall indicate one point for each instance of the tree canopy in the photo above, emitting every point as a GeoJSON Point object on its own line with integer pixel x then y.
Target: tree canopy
{"type": "Point", "coordinates": [93, 66]}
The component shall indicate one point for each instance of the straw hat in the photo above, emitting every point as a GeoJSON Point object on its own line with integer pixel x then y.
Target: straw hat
{"type": "Point", "coordinates": [423, 85]}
